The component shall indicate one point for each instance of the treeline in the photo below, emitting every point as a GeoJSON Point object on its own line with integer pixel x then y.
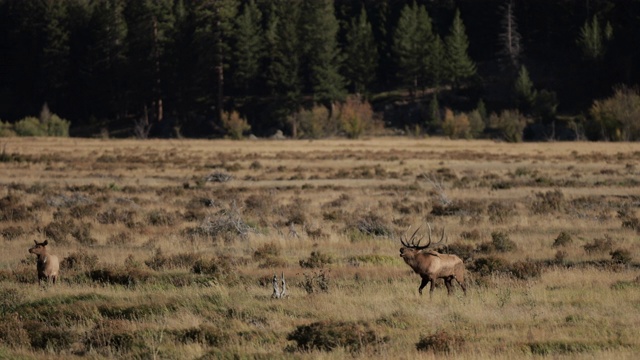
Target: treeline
{"type": "Point", "coordinates": [311, 68]}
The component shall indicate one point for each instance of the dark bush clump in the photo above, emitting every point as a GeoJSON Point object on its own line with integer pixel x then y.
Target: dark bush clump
{"type": "Point", "coordinates": [58, 230]}
{"type": "Point", "coordinates": [119, 276]}
{"type": "Point", "coordinates": [44, 336]}
{"type": "Point", "coordinates": [266, 250]}
{"type": "Point", "coordinates": [316, 282]}
{"type": "Point", "coordinates": [525, 270]}
{"type": "Point", "coordinates": [563, 239]}
{"type": "Point", "coordinates": [204, 334]}
{"type": "Point", "coordinates": [328, 335]}
{"type": "Point", "coordinates": [464, 251]}
{"type": "Point", "coordinates": [549, 202]}
{"type": "Point", "coordinates": [500, 212]}
{"type": "Point", "coordinates": [599, 246]}
{"type": "Point", "coordinates": [440, 342]}
{"type": "Point", "coordinates": [110, 336]}
{"type": "Point", "coordinates": [82, 233]}
{"type": "Point", "coordinates": [12, 333]}
{"type": "Point", "coordinates": [621, 256]}
{"type": "Point", "coordinates": [471, 235]}
{"type": "Point", "coordinates": [79, 261]}
{"type": "Point", "coordinates": [121, 238]}
{"type": "Point", "coordinates": [12, 232]}
{"type": "Point", "coordinates": [316, 260]}
{"type": "Point", "coordinates": [500, 243]}
{"type": "Point", "coordinates": [489, 265]}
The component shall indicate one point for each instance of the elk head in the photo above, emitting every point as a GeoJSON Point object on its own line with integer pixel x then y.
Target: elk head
{"type": "Point", "coordinates": [39, 248]}
{"type": "Point", "coordinates": [412, 246]}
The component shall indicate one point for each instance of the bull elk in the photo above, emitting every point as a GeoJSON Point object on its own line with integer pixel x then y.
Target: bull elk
{"type": "Point", "coordinates": [430, 264]}
{"type": "Point", "coordinates": [48, 264]}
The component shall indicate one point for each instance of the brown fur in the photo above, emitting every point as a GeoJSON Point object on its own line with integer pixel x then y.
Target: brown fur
{"type": "Point", "coordinates": [431, 265]}
{"type": "Point", "coordinates": [48, 265]}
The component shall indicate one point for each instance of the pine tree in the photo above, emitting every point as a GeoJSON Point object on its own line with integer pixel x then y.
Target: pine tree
{"type": "Point", "coordinates": [413, 41]}
{"type": "Point", "coordinates": [214, 28]}
{"type": "Point", "coordinates": [319, 43]}
{"type": "Point", "coordinates": [592, 39]}
{"type": "Point", "coordinates": [361, 54]}
{"type": "Point", "coordinates": [150, 35]}
{"type": "Point", "coordinates": [460, 66]}
{"type": "Point", "coordinates": [524, 91]}
{"type": "Point", "coordinates": [438, 62]}
{"type": "Point", "coordinates": [55, 51]}
{"type": "Point", "coordinates": [283, 59]}
{"type": "Point", "coordinates": [108, 58]}
{"type": "Point", "coordinates": [248, 47]}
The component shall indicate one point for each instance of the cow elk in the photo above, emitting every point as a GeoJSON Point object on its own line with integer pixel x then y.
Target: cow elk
{"type": "Point", "coordinates": [48, 264]}
{"type": "Point", "coordinates": [430, 264]}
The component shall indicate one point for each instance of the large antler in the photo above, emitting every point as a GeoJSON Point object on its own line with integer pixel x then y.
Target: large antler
{"type": "Point", "coordinates": [411, 243]}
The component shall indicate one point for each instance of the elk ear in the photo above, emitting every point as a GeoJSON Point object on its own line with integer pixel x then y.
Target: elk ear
{"type": "Point", "coordinates": [35, 242]}
{"type": "Point", "coordinates": [45, 243]}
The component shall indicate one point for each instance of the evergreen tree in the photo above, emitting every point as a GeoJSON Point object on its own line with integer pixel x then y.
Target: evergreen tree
{"type": "Point", "coordinates": [361, 54]}
{"type": "Point", "coordinates": [592, 39]}
{"type": "Point", "coordinates": [438, 62]}
{"type": "Point", "coordinates": [248, 48]}
{"type": "Point", "coordinates": [108, 58]}
{"type": "Point", "coordinates": [413, 42]}
{"type": "Point", "coordinates": [55, 51]}
{"type": "Point", "coordinates": [214, 28]}
{"type": "Point", "coordinates": [283, 59]}
{"type": "Point", "coordinates": [319, 43]}
{"type": "Point", "coordinates": [460, 66]}
{"type": "Point", "coordinates": [524, 91]}
{"type": "Point", "coordinates": [151, 27]}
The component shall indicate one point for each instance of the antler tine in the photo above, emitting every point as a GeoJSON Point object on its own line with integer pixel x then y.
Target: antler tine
{"type": "Point", "coordinates": [442, 239]}
{"type": "Point", "coordinates": [411, 242]}
{"type": "Point", "coordinates": [402, 238]}
{"type": "Point", "coordinates": [413, 238]}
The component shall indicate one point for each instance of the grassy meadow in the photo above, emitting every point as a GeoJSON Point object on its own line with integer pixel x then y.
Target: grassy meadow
{"type": "Point", "coordinates": [168, 249]}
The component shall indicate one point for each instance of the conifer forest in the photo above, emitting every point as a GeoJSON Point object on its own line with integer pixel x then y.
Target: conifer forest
{"type": "Point", "coordinates": [516, 70]}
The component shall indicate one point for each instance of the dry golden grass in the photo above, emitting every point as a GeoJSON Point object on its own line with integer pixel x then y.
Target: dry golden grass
{"type": "Point", "coordinates": [161, 263]}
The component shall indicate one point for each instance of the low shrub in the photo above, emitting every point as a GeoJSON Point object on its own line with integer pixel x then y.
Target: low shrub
{"type": "Point", "coordinates": [499, 212]}
{"type": "Point", "coordinates": [329, 335]}
{"type": "Point", "coordinates": [46, 337]}
{"type": "Point", "coordinates": [440, 342]}
{"type": "Point", "coordinates": [525, 270]}
{"type": "Point", "coordinates": [489, 265]}
{"type": "Point", "coordinates": [548, 202]}
{"type": "Point", "coordinates": [12, 333]}
{"type": "Point", "coordinates": [119, 276]}
{"type": "Point", "coordinates": [316, 260]}
{"type": "Point", "coordinates": [563, 239]}
{"type": "Point", "coordinates": [203, 334]}
{"type": "Point", "coordinates": [600, 245]}
{"type": "Point", "coordinates": [12, 232]}
{"type": "Point", "coordinates": [373, 224]}
{"type": "Point", "coordinates": [464, 251]}
{"type": "Point", "coordinates": [500, 242]}
{"type": "Point", "coordinates": [471, 235]}
{"type": "Point", "coordinates": [111, 336]}
{"type": "Point", "coordinates": [621, 256]}
{"type": "Point", "coordinates": [79, 261]}
{"type": "Point", "coordinates": [266, 250]}
{"type": "Point", "coordinates": [316, 281]}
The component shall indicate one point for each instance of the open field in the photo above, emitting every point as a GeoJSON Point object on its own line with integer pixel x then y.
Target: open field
{"type": "Point", "coordinates": [168, 248]}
